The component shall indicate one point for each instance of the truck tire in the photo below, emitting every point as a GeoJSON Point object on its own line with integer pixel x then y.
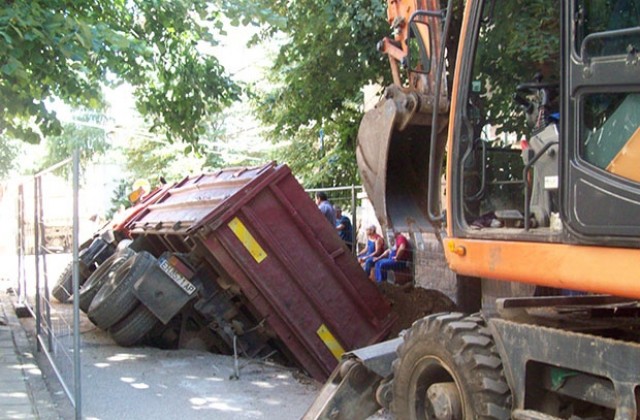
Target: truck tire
{"type": "Point", "coordinates": [98, 278]}
{"type": "Point", "coordinates": [63, 289]}
{"type": "Point", "coordinates": [448, 367]}
{"type": "Point", "coordinates": [115, 299]}
{"type": "Point", "coordinates": [134, 327]}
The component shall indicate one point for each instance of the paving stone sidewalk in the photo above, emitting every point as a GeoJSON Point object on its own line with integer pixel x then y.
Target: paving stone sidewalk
{"type": "Point", "coordinates": [23, 393]}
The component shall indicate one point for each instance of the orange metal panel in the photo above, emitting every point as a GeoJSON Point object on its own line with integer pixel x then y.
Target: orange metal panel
{"type": "Point", "coordinates": [588, 268]}
{"type": "Point", "coordinates": [455, 92]}
{"type": "Point", "coordinates": [627, 162]}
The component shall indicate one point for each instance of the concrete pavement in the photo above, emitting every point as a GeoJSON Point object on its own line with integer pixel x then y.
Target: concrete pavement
{"type": "Point", "coordinates": [141, 382]}
{"type": "Point", "coordinates": [23, 392]}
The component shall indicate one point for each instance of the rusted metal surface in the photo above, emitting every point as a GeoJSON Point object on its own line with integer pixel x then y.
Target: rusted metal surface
{"type": "Point", "coordinates": [120, 222]}
{"type": "Point", "coordinates": [190, 200]}
{"type": "Point", "coordinates": [263, 236]}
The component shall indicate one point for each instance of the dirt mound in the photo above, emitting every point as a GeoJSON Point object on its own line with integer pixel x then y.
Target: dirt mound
{"type": "Point", "coordinates": [411, 303]}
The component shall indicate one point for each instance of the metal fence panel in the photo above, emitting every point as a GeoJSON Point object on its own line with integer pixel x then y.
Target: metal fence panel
{"type": "Point", "coordinates": [46, 243]}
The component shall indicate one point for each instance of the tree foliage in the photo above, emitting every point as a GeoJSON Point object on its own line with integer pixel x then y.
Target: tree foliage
{"type": "Point", "coordinates": [9, 150]}
{"type": "Point", "coordinates": [323, 157]}
{"type": "Point", "coordinates": [68, 50]}
{"type": "Point", "coordinates": [327, 56]}
{"type": "Point", "coordinates": [86, 135]}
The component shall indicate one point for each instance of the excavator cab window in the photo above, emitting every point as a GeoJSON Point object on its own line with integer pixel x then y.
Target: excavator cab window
{"type": "Point", "coordinates": [610, 126]}
{"type": "Point", "coordinates": [510, 146]}
{"type": "Point", "coordinates": [606, 28]}
{"type": "Point", "coordinates": [549, 146]}
{"type": "Point", "coordinates": [611, 133]}
{"type": "Point", "coordinates": [601, 199]}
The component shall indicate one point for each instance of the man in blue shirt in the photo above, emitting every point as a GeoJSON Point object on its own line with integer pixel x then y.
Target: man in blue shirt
{"type": "Point", "coordinates": [325, 207]}
{"type": "Point", "coordinates": [343, 226]}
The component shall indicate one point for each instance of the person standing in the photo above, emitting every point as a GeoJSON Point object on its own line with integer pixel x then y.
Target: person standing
{"type": "Point", "coordinates": [343, 226]}
{"type": "Point", "coordinates": [375, 247]}
{"type": "Point", "coordinates": [395, 258]}
{"type": "Point", "coordinates": [325, 207]}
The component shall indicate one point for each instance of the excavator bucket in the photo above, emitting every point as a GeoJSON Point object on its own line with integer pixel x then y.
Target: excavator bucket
{"type": "Point", "coordinates": [393, 148]}
{"type": "Point", "coordinates": [359, 386]}
{"type": "Point", "coordinates": [394, 138]}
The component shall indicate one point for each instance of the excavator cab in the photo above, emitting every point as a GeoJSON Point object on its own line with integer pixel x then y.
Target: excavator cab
{"type": "Point", "coordinates": [537, 127]}
{"type": "Point", "coordinates": [543, 141]}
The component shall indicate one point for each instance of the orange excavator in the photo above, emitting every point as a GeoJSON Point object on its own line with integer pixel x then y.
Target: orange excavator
{"type": "Point", "coordinates": [511, 134]}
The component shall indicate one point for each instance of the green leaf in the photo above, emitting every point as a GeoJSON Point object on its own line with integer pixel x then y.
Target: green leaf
{"type": "Point", "coordinates": [6, 37]}
{"type": "Point", "coordinates": [18, 31]}
{"type": "Point", "coordinates": [10, 68]}
{"type": "Point", "coordinates": [80, 40]}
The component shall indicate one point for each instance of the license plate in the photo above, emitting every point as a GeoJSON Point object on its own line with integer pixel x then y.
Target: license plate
{"type": "Point", "coordinates": [178, 278]}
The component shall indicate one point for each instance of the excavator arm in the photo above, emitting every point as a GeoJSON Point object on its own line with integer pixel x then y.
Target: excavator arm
{"type": "Point", "coordinates": [394, 142]}
{"type": "Point", "coordinates": [394, 138]}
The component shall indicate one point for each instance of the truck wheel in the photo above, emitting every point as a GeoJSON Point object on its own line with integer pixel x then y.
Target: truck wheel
{"type": "Point", "coordinates": [98, 278]}
{"type": "Point", "coordinates": [135, 327]}
{"type": "Point", "coordinates": [448, 368]}
{"type": "Point", "coordinates": [115, 299]}
{"type": "Point", "coordinates": [63, 288]}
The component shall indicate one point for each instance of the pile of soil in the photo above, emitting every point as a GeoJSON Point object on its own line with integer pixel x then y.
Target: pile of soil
{"type": "Point", "coordinates": [411, 303]}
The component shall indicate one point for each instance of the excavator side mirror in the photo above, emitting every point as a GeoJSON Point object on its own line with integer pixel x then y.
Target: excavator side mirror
{"type": "Point", "coordinates": [420, 47]}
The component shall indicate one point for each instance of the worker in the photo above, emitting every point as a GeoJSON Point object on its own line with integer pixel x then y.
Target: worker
{"type": "Point", "coordinates": [325, 207]}
{"type": "Point", "coordinates": [395, 258]}
{"type": "Point", "coordinates": [375, 247]}
{"type": "Point", "coordinates": [343, 226]}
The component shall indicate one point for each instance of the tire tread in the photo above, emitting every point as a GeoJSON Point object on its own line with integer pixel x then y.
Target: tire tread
{"type": "Point", "coordinates": [135, 327]}
{"type": "Point", "coordinates": [115, 299]}
{"type": "Point", "coordinates": [476, 359]}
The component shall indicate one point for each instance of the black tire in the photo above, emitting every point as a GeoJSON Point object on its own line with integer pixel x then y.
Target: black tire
{"type": "Point", "coordinates": [457, 355]}
{"type": "Point", "coordinates": [63, 289]}
{"type": "Point", "coordinates": [134, 327]}
{"type": "Point", "coordinates": [115, 299]}
{"type": "Point", "coordinates": [98, 278]}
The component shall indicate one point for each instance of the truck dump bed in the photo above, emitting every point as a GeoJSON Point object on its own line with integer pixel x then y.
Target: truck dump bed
{"type": "Point", "coordinates": [265, 237]}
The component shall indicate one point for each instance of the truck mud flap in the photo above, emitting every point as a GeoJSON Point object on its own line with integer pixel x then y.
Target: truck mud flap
{"type": "Point", "coordinates": [164, 288]}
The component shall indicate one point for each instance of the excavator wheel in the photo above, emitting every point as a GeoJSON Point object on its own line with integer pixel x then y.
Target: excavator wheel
{"type": "Point", "coordinates": [448, 368]}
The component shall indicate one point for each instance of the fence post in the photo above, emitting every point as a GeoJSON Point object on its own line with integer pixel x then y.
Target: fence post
{"type": "Point", "coordinates": [41, 251]}
{"type": "Point", "coordinates": [76, 286]}
{"type": "Point", "coordinates": [22, 277]}
{"type": "Point", "coordinates": [36, 256]}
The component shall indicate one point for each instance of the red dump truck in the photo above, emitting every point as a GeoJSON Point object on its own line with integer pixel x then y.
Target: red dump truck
{"type": "Point", "coordinates": [246, 262]}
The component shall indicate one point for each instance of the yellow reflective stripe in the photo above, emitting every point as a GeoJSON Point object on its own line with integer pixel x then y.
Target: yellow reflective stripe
{"type": "Point", "coordinates": [247, 240]}
{"type": "Point", "coordinates": [330, 341]}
